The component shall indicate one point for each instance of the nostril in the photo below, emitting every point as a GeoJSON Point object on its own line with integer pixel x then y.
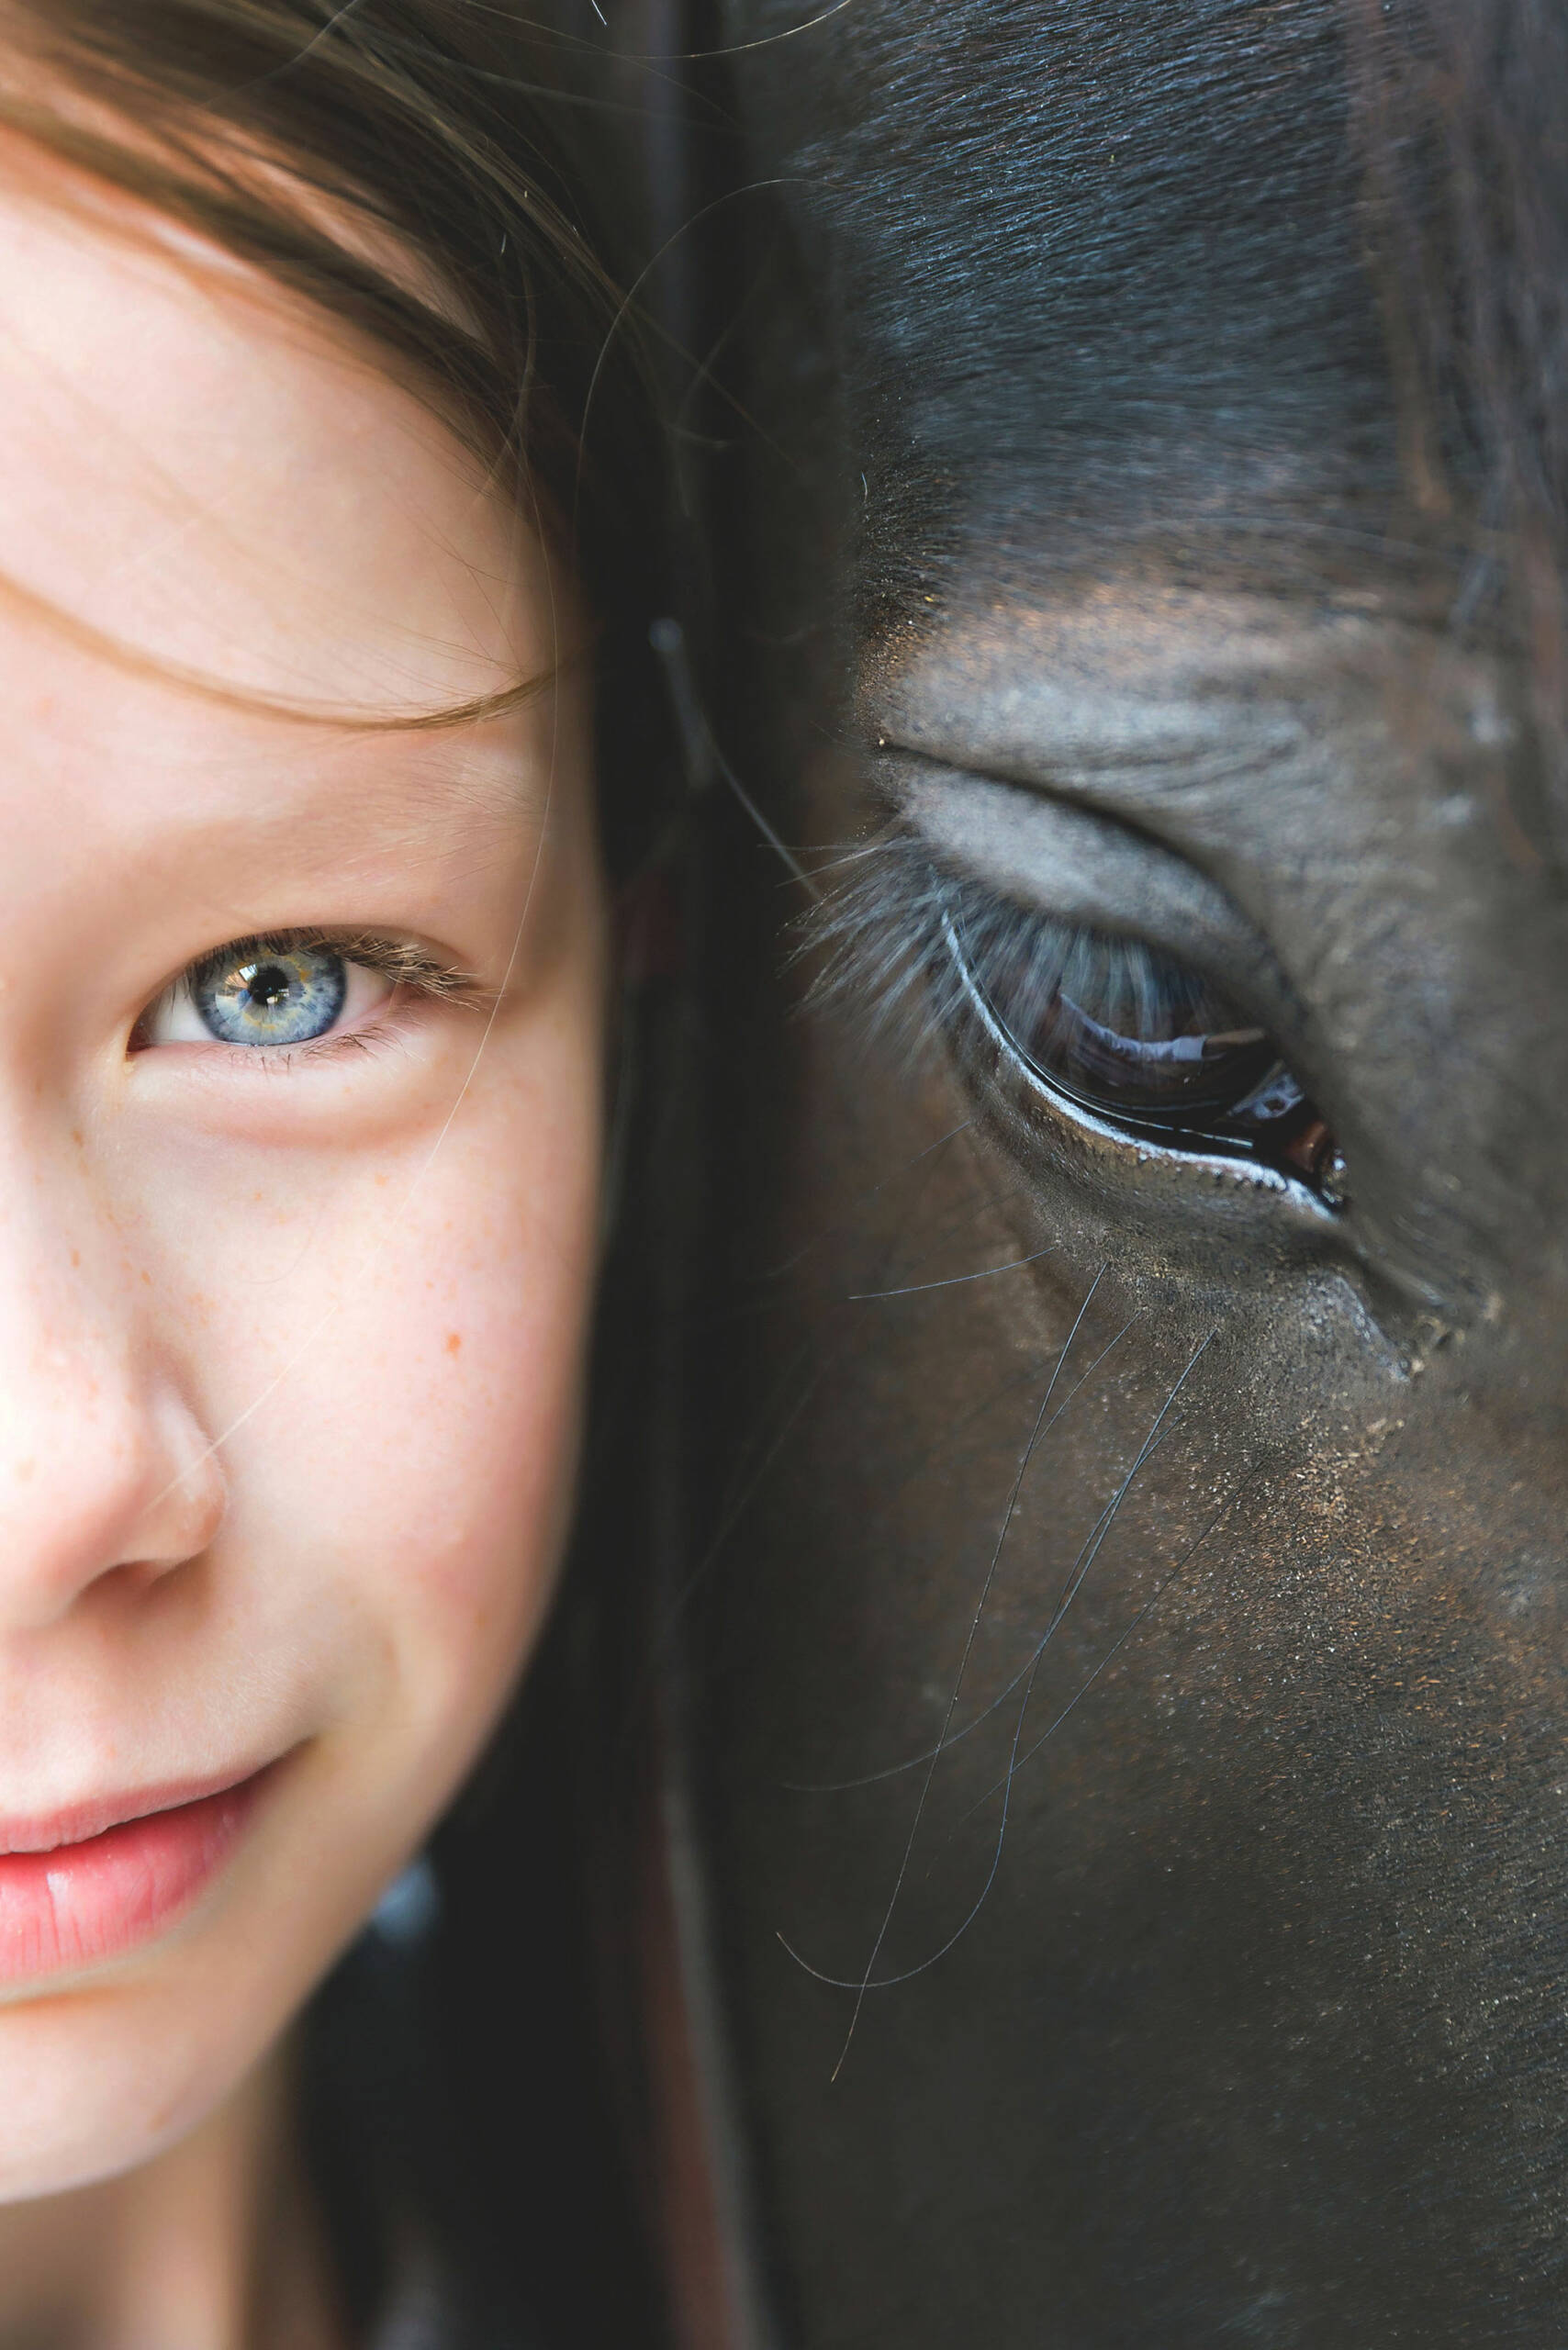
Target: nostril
{"type": "Point", "coordinates": [116, 1506]}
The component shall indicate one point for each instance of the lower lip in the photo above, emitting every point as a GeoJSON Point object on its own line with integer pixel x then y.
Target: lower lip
{"type": "Point", "coordinates": [83, 1903]}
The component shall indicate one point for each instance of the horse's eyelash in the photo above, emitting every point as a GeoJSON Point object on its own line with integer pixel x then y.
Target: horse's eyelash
{"type": "Point", "coordinates": [883, 938]}
{"type": "Point", "coordinates": [887, 934]}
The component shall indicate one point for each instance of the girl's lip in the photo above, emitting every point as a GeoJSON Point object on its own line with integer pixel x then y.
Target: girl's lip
{"type": "Point", "coordinates": [81, 1822]}
{"type": "Point", "coordinates": [86, 1886]}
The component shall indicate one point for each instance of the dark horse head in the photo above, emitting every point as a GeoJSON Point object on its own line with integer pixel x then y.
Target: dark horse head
{"type": "Point", "coordinates": [1129, 1701]}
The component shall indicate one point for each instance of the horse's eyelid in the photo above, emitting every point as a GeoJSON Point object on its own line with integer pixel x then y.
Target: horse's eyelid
{"type": "Point", "coordinates": [1067, 862]}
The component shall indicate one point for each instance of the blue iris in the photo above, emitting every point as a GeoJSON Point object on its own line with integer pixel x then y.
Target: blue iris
{"type": "Point", "coordinates": [284, 997]}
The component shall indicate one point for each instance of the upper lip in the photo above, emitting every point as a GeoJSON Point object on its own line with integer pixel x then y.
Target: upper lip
{"type": "Point", "coordinates": [79, 1822]}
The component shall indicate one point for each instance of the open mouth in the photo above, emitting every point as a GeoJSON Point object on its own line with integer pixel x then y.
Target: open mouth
{"type": "Point", "coordinates": [71, 1899]}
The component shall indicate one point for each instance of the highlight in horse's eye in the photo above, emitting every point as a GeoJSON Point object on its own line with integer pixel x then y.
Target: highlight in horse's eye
{"type": "Point", "coordinates": [1139, 1039]}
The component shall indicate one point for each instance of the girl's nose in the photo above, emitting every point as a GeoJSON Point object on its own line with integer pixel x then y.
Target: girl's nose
{"type": "Point", "coordinates": [104, 1469]}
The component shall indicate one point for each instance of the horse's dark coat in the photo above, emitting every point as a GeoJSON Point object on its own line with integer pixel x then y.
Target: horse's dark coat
{"type": "Point", "coordinates": [1055, 237]}
{"type": "Point", "coordinates": [1083, 467]}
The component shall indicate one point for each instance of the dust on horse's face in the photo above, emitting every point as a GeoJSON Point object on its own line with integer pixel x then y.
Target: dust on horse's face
{"type": "Point", "coordinates": [1140, 1662]}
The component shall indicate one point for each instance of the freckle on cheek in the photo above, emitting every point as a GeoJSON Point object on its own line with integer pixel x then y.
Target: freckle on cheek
{"type": "Point", "coordinates": [454, 1341]}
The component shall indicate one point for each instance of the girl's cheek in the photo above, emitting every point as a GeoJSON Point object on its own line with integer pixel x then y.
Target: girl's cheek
{"type": "Point", "coordinates": [470, 1450]}
{"type": "Point", "coordinates": [397, 1349]}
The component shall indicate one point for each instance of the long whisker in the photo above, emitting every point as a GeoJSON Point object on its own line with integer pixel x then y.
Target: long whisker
{"type": "Point", "coordinates": [896, 1770]}
{"type": "Point", "coordinates": [890, 1982]}
{"type": "Point", "coordinates": [918, 1288]}
{"type": "Point", "coordinates": [743, 1481]}
{"type": "Point", "coordinates": [745, 1492]}
{"type": "Point", "coordinates": [756, 1460]}
{"type": "Point", "coordinates": [963, 1663]}
{"type": "Point", "coordinates": [1092, 1548]}
{"type": "Point", "coordinates": [1091, 1553]}
{"type": "Point", "coordinates": [1117, 1644]}
{"type": "Point", "coordinates": [932, 1241]}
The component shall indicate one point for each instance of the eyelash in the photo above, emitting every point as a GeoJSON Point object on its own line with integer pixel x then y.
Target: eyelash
{"type": "Point", "coordinates": [887, 962]}
{"type": "Point", "coordinates": [901, 938]}
{"type": "Point", "coordinates": [409, 967]}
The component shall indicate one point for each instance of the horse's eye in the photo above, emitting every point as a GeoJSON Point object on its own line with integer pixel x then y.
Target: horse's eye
{"type": "Point", "coordinates": [1139, 1039]}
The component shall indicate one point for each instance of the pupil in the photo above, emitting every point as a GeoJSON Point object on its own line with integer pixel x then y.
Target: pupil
{"type": "Point", "coordinates": [268, 986]}
{"type": "Point", "coordinates": [288, 998]}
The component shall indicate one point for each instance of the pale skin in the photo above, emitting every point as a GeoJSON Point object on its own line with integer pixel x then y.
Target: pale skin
{"type": "Point", "coordinates": [291, 1338]}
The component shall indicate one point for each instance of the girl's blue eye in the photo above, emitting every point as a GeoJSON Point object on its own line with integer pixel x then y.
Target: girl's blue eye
{"type": "Point", "coordinates": [275, 993]}
{"type": "Point", "coordinates": [273, 998]}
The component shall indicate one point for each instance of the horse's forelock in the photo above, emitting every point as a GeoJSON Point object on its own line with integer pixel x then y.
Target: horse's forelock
{"type": "Point", "coordinates": [1460, 123]}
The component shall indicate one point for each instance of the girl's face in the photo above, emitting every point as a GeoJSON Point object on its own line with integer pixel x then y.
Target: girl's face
{"type": "Point", "coordinates": [296, 1236]}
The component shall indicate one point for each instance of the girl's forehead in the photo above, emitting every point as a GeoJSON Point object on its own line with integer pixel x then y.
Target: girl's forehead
{"type": "Point", "coordinates": [198, 468]}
